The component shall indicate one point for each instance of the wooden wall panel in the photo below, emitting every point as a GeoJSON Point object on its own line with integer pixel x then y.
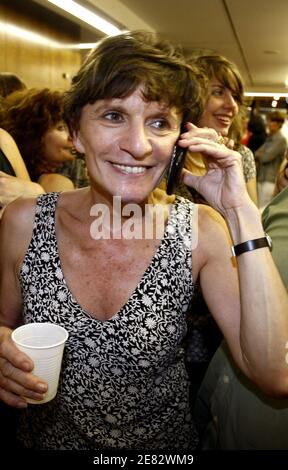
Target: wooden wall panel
{"type": "Point", "coordinates": [37, 65]}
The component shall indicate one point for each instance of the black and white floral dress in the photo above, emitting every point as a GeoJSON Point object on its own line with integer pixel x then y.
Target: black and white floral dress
{"type": "Point", "coordinates": [123, 382]}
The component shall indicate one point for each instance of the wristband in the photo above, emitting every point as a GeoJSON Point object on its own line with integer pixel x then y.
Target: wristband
{"type": "Point", "coordinates": [251, 245]}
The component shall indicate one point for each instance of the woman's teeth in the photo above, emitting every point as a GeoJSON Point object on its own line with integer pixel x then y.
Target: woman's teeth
{"type": "Point", "coordinates": [130, 169]}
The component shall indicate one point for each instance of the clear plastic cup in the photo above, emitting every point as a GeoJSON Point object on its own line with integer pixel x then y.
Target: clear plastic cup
{"type": "Point", "coordinates": [44, 344]}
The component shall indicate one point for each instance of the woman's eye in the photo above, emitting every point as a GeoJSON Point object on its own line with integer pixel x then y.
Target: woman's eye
{"type": "Point", "coordinates": [113, 116]}
{"type": "Point", "coordinates": [160, 124]}
{"type": "Point", "coordinates": [62, 127]}
{"type": "Point", "coordinates": [217, 92]}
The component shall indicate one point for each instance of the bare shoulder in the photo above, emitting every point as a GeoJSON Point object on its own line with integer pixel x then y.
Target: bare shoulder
{"type": "Point", "coordinates": [211, 223]}
{"type": "Point", "coordinates": [55, 182]}
{"type": "Point", "coordinates": [16, 227]}
{"type": "Point", "coordinates": [21, 210]}
{"type": "Point", "coordinates": [213, 236]}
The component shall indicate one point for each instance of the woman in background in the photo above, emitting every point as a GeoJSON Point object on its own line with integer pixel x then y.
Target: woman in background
{"type": "Point", "coordinates": [34, 119]}
{"type": "Point", "coordinates": [223, 112]}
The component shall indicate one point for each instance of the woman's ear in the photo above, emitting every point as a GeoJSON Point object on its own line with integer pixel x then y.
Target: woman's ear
{"type": "Point", "coordinates": [77, 142]}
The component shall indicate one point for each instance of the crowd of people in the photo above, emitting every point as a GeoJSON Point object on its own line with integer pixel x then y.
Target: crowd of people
{"type": "Point", "coordinates": [125, 298]}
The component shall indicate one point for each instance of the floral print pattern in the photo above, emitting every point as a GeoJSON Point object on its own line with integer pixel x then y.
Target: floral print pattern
{"type": "Point", "coordinates": [248, 162]}
{"type": "Point", "coordinates": [123, 382]}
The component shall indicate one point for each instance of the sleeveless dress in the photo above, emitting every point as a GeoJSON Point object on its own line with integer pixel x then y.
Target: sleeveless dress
{"type": "Point", "coordinates": [123, 382]}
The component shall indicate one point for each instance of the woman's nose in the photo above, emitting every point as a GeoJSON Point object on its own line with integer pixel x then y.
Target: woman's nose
{"type": "Point", "coordinates": [230, 101]}
{"type": "Point", "coordinates": [136, 141]}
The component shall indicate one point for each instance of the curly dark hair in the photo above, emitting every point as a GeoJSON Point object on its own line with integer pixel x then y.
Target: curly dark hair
{"type": "Point", "coordinates": [27, 115]}
{"type": "Point", "coordinates": [119, 64]}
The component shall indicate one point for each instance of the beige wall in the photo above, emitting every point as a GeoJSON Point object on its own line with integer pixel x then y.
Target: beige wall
{"type": "Point", "coordinates": [37, 65]}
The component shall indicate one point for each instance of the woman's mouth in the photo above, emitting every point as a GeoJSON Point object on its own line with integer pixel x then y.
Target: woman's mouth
{"type": "Point", "coordinates": [136, 170]}
{"type": "Point", "coordinates": [224, 120]}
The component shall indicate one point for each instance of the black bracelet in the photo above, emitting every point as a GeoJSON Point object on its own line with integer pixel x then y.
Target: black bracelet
{"type": "Point", "coordinates": [251, 245]}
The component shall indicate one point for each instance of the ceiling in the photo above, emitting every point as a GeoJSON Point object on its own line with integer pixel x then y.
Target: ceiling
{"type": "Point", "coordinates": [252, 33]}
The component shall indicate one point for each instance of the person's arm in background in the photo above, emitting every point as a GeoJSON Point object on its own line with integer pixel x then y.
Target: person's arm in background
{"type": "Point", "coordinates": [275, 222]}
{"type": "Point", "coordinates": [11, 151]}
{"type": "Point", "coordinates": [270, 150]}
{"type": "Point", "coordinates": [12, 187]}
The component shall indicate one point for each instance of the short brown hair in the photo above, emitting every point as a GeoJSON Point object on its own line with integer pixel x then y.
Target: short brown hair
{"type": "Point", "coordinates": [119, 64]}
{"type": "Point", "coordinates": [276, 116]}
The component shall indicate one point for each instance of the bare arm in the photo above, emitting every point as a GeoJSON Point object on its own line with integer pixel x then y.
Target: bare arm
{"type": "Point", "coordinates": [255, 324]}
{"type": "Point", "coordinates": [12, 187]}
{"type": "Point", "coordinates": [16, 380]}
{"type": "Point", "coordinates": [11, 151]}
{"type": "Point", "coordinates": [270, 150]}
{"type": "Point", "coordinates": [249, 302]}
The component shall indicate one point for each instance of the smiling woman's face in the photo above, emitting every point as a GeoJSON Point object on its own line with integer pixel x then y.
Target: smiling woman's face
{"type": "Point", "coordinates": [58, 145]}
{"type": "Point", "coordinates": [128, 143]}
{"type": "Point", "coordinates": [221, 108]}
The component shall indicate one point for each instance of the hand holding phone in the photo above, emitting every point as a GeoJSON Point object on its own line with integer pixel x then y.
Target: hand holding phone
{"type": "Point", "coordinates": [175, 168]}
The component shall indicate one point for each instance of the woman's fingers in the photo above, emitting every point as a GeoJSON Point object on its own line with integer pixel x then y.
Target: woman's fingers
{"type": "Point", "coordinates": [12, 400]}
{"type": "Point", "coordinates": [9, 373]}
{"type": "Point", "coordinates": [203, 132]}
{"type": "Point", "coordinates": [14, 388]}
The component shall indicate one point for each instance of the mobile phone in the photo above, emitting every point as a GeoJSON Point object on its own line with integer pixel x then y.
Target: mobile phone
{"type": "Point", "coordinates": [175, 168]}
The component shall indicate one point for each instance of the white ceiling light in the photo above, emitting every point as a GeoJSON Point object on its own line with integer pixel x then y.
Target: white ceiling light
{"type": "Point", "coordinates": [87, 16]}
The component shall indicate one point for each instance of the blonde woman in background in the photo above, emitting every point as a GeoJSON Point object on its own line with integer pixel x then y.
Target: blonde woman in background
{"type": "Point", "coordinates": [223, 112]}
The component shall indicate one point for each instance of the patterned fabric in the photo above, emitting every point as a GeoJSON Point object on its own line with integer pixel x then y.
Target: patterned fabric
{"type": "Point", "coordinates": [248, 162]}
{"type": "Point", "coordinates": [123, 382]}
